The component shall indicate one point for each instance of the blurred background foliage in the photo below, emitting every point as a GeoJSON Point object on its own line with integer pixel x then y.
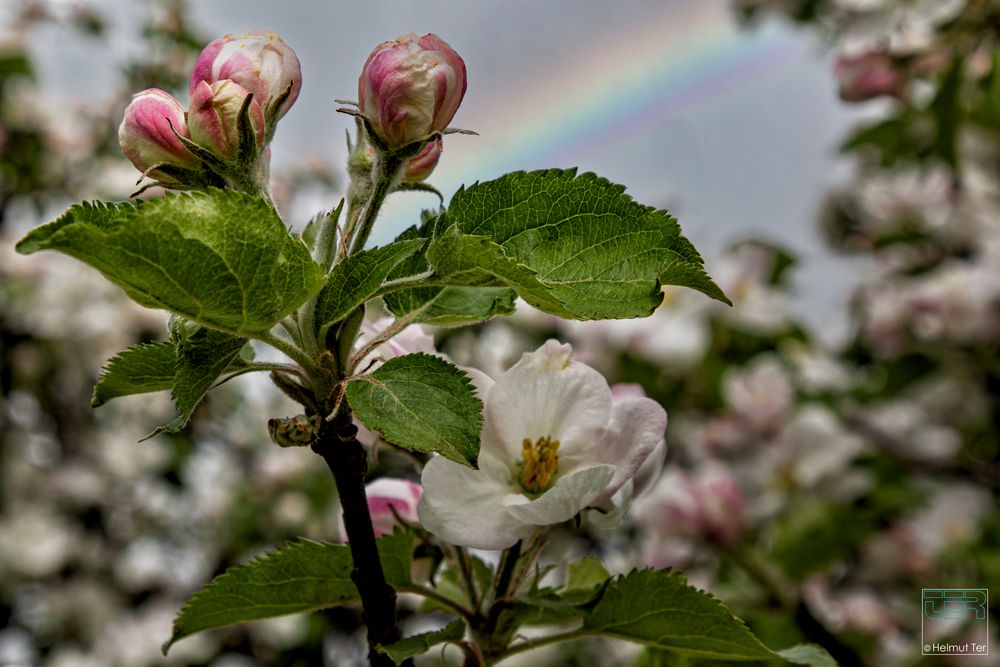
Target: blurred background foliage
{"type": "Point", "coordinates": [814, 487]}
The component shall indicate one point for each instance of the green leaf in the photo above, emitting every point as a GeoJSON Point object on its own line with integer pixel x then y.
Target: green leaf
{"type": "Point", "coordinates": [476, 261]}
{"type": "Point", "coordinates": [544, 607]}
{"type": "Point", "coordinates": [220, 258]}
{"type": "Point", "coordinates": [301, 576]}
{"type": "Point", "coordinates": [421, 403]}
{"type": "Point", "coordinates": [442, 306]}
{"type": "Point", "coordinates": [202, 357]}
{"type": "Point", "coordinates": [584, 576]}
{"type": "Point", "coordinates": [410, 647]}
{"type": "Point", "coordinates": [452, 306]}
{"type": "Point", "coordinates": [809, 655]}
{"type": "Point", "coordinates": [571, 245]}
{"type": "Point", "coordinates": [136, 370]}
{"type": "Point", "coordinates": [356, 279]}
{"type": "Point", "coordinates": [659, 609]}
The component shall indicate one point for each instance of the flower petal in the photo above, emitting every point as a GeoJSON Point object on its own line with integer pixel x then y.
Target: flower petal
{"type": "Point", "coordinates": [611, 513]}
{"type": "Point", "coordinates": [566, 499]}
{"type": "Point", "coordinates": [651, 469]}
{"type": "Point", "coordinates": [467, 507]}
{"type": "Point", "coordinates": [637, 426]}
{"type": "Point", "coordinates": [548, 394]}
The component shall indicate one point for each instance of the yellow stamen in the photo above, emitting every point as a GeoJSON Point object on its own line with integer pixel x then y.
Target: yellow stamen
{"type": "Point", "coordinates": [539, 464]}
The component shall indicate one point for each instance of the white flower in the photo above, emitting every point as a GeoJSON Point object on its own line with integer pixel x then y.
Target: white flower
{"type": "Point", "coordinates": [554, 442]}
{"type": "Point", "coordinates": [760, 393]}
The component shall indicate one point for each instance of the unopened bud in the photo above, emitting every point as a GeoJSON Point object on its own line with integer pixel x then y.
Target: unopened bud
{"type": "Point", "coordinates": [214, 118]}
{"type": "Point", "coordinates": [149, 135]}
{"type": "Point", "coordinates": [421, 166]}
{"type": "Point", "coordinates": [261, 62]}
{"type": "Point", "coordinates": [868, 76]}
{"type": "Point", "coordinates": [392, 500]}
{"type": "Point", "coordinates": [410, 88]}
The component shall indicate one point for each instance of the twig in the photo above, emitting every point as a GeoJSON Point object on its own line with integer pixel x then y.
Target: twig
{"type": "Point", "coordinates": [338, 444]}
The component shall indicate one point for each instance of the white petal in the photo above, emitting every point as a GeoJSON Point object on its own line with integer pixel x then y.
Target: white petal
{"type": "Point", "coordinates": [637, 426]}
{"type": "Point", "coordinates": [566, 498]}
{"type": "Point", "coordinates": [467, 507]}
{"type": "Point", "coordinates": [651, 469]}
{"type": "Point", "coordinates": [548, 394]}
{"type": "Point", "coordinates": [611, 513]}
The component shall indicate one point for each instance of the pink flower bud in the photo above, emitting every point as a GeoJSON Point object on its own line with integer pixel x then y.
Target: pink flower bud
{"type": "Point", "coordinates": [213, 117]}
{"type": "Point", "coordinates": [411, 88]}
{"type": "Point", "coordinates": [867, 76]}
{"type": "Point", "coordinates": [147, 138]}
{"type": "Point", "coordinates": [260, 62]}
{"type": "Point", "coordinates": [386, 496]}
{"type": "Point", "coordinates": [421, 166]}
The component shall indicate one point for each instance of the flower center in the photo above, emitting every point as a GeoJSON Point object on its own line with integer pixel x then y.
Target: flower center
{"type": "Point", "coordinates": [539, 464]}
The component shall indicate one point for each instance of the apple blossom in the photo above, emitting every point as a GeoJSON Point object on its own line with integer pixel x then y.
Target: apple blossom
{"type": "Point", "coordinates": [410, 88]}
{"type": "Point", "coordinates": [149, 133]}
{"type": "Point", "coordinates": [260, 62]}
{"type": "Point", "coordinates": [554, 442]}
{"type": "Point", "coordinates": [761, 394]}
{"type": "Point", "coordinates": [214, 115]}
{"type": "Point", "coordinates": [707, 505]}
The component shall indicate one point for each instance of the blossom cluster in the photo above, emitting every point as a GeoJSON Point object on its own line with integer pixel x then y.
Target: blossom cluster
{"type": "Point", "coordinates": [240, 87]}
{"type": "Point", "coordinates": [840, 475]}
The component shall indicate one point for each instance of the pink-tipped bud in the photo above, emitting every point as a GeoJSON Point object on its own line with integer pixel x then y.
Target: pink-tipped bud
{"type": "Point", "coordinates": [213, 119]}
{"type": "Point", "coordinates": [420, 166]}
{"type": "Point", "coordinates": [148, 134]}
{"type": "Point", "coordinates": [388, 498]}
{"type": "Point", "coordinates": [411, 88]}
{"type": "Point", "coordinates": [868, 76]}
{"type": "Point", "coordinates": [261, 62]}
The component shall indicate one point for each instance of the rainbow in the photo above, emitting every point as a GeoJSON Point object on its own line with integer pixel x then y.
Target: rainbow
{"type": "Point", "coordinates": [610, 93]}
{"type": "Point", "coordinates": [609, 89]}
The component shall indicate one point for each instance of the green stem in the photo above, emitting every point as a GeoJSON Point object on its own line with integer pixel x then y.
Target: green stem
{"type": "Point", "coordinates": [543, 641]}
{"type": "Point", "coordinates": [353, 211]}
{"type": "Point", "coordinates": [501, 587]}
{"type": "Point", "coordinates": [291, 327]}
{"type": "Point", "coordinates": [432, 594]}
{"type": "Point", "coordinates": [465, 568]}
{"type": "Point", "coordinates": [387, 169]}
{"type": "Point", "coordinates": [386, 334]}
{"type": "Point", "coordinates": [416, 280]}
{"type": "Point", "coordinates": [292, 351]}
